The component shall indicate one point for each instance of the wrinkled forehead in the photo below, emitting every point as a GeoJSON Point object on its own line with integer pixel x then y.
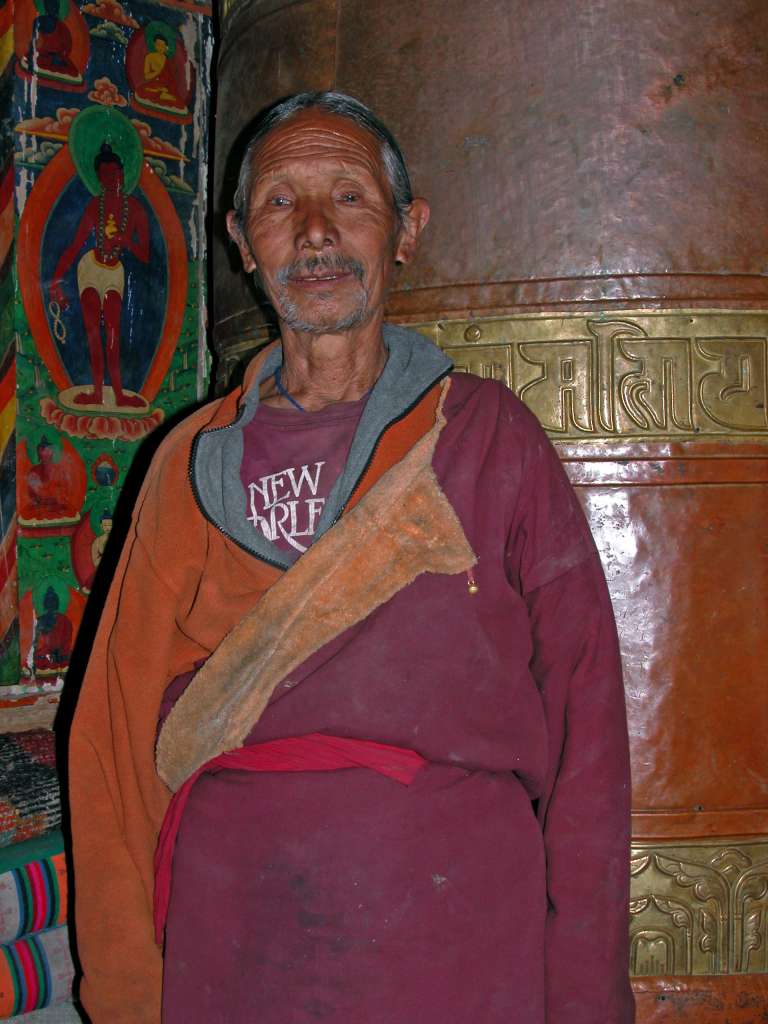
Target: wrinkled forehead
{"type": "Point", "coordinates": [314, 136]}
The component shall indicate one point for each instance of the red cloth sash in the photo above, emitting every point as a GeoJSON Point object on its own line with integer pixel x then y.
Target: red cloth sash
{"type": "Point", "coordinates": [311, 753]}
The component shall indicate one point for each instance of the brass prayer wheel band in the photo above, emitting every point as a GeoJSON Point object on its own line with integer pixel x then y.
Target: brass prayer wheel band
{"type": "Point", "coordinates": [639, 374]}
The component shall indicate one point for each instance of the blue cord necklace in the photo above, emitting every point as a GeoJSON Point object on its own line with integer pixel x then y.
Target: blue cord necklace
{"type": "Point", "coordinates": [281, 390]}
{"type": "Point", "coordinates": [284, 393]}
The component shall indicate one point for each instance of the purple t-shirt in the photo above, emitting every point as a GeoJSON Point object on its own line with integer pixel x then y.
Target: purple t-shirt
{"type": "Point", "coordinates": [291, 460]}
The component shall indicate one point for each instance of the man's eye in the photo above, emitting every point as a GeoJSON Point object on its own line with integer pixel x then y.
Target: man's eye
{"type": "Point", "coordinates": [279, 201]}
{"type": "Point", "coordinates": [350, 197]}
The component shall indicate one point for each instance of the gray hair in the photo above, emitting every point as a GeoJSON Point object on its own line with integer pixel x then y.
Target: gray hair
{"type": "Point", "coordinates": [332, 103]}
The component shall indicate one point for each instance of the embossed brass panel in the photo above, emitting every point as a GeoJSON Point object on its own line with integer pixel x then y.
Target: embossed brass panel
{"type": "Point", "coordinates": [699, 908]}
{"type": "Point", "coordinates": [634, 374]}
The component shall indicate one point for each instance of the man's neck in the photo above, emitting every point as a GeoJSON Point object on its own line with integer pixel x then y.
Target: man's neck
{"type": "Point", "coordinates": [323, 369]}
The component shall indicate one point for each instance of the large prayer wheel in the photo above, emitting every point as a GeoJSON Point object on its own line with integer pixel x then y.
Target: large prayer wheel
{"type": "Point", "coordinates": [596, 171]}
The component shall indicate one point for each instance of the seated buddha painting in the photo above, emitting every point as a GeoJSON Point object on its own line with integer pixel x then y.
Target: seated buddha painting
{"type": "Point", "coordinates": [159, 72]}
{"type": "Point", "coordinates": [51, 485]}
{"type": "Point", "coordinates": [52, 43]}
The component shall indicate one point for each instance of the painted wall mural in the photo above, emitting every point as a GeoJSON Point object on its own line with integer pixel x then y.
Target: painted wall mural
{"type": "Point", "coordinates": [109, 108]}
{"type": "Point", "coordinates": [9, 611]}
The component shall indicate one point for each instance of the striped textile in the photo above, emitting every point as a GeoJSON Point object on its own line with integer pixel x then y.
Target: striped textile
{"type": "Point", "coordinates": [33, 894]}
{"type": "Point", "coordinates": [35, 972]}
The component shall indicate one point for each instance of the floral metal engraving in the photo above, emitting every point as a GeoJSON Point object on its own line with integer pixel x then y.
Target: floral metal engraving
{"type": "Point", "coordinates": [701, 908]}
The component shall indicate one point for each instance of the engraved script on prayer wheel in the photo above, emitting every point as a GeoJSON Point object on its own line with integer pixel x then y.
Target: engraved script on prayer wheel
{"type": "Point", "coordinates": [596, 173]}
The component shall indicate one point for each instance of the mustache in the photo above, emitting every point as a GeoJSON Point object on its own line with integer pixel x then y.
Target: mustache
{"type": "Point", "coordinates": [333, 263]}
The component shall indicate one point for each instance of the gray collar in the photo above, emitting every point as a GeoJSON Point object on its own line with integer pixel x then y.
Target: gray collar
{"type": "Point", "coordinates": [413, 366]}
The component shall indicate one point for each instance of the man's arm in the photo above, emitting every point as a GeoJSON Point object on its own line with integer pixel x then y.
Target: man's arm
{"type": "Point", "coordinates": [584, 808]}
{"type": "Point", "coordinates": [117, 800]}
{"type": "Point", "coordinates": [585, 813]}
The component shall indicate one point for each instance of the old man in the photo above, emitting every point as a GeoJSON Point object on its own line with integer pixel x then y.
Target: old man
{"type": "Point", "coordinates": [360, 630]}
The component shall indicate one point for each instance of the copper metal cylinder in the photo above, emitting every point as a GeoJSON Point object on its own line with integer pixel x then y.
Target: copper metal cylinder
{"type": "Point", "coordinates": [596, 173]}
{"type": "Point", "coordinates": [575, 153]}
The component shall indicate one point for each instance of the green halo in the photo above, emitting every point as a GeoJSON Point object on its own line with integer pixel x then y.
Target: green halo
{"type": "Point", "coordinates": [63, 8]}
{"type": "Point", "coordinates": [89, 130]}
{"type": "Point", "coordinates": [59, 586]}
{"type": "Point", "coordinates": [95, 513]}
{"type": "Point", "coordinates": [160, 28]}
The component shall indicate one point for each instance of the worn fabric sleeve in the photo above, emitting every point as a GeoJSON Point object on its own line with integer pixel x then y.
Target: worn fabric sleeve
{"type": "Point", "coordinates": [585, 804]}
{"type": "Point", "coordinates": [117, 801]}
{"type": "Point", "coordinates": [585, 810]}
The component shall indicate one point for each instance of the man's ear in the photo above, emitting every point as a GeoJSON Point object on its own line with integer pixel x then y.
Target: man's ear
{"type": "Point", "coordinates": [413, 223]}
{"type": "Point", "coordinates": [237, 236]}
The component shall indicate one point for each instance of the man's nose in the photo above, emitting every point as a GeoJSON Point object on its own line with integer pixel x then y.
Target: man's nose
{"type": "Point", "coordinates": [316, 229]}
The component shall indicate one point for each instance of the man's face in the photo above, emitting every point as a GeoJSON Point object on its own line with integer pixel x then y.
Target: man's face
{"type": "Point", "coordinates": [321, 229]}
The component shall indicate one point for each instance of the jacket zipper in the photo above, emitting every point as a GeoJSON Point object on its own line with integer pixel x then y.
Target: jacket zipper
{"type": "Point", "coordinates": [198, 502]}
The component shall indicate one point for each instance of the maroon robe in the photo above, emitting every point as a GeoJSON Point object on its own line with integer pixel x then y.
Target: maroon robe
{"type": "Point", "coordinates": [494, 889]}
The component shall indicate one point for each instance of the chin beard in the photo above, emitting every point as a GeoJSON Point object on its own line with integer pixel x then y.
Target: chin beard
{"type": "Point", "coordinates": [321, 322]}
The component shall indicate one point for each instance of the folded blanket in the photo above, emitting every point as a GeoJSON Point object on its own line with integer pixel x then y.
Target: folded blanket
{"type": "Point", "coordinates": [29, 788]}
{"type": "Point", "coordinates": [35, 972]}
{"type": "Point", "coordinates": [33, 886]}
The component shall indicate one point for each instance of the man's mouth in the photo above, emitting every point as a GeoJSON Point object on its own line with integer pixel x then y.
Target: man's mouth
{"type": "Point", "coordinates": [321, 270]}
{"type": "Point", "coordinates": [310, 278]}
